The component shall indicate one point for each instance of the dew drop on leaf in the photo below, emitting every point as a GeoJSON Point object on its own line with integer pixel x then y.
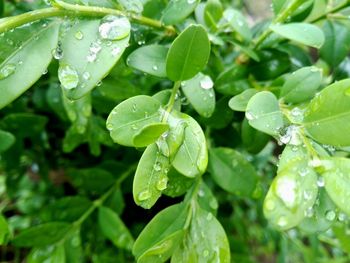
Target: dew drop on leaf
{"type": "Point", "coordinates": [157, 167]}
{"type": "Point", "coordinates": [68, 77]}
{"type": "Point", "coordinates": [7, 70]}
{"type": "Point", "coordinates": [162, 184]}
{"type": "Point", "coordinates": [114, 27]}
{"type": "Point", "coordinates": [144, 195]}
{"type": "Point", "coordinates": [206, 83]}
{"type": "Point", "coordinates": [330, 215]}
{"type": "Point", "coordinates": [79, 35]}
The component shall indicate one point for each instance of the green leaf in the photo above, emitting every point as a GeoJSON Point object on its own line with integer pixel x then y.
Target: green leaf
{"type": "Point", "coordinates": [1, 7]}
{"type": "Point", "coordinates": [292, 193]}
{"type": "Point", "coordinates": [6, 140]}
{"type": "Point", "coordinates": [192, 157]}
{"type": "Point", "coordinates": [207, 200]}
{"type": "Point", "coordinates": [25, 53]}
{"type": "Point", "coordinates": [135, 6]}
{"type": "Point", "coordinates": [238, 23]}
{"type": "Point", "coordinates": [52, 254]}
{"type": "Point", "coordinates": [301, 85]}
{"type": "Point", "coordinates": [177, 10]}
{"type": "Point", "coordinates": [240, 101]}
{"type": "Point", "coordinates": [233, 80]}
{"type": "Point", "coordinates": [188, 54]}
{"type": "Point", "coordinates": [41, 235]}
{"type": "Point", "coordinates": [253, 140]}
{"type": "Point", "coordinates": [73, 248]}
{"type": "Point", "coordinates": [200, 93]}
{"type": "Point", "coordinates": [150, 177]}
{"type": "Point", "coordinates": [114, 229]}
{"type": "Point", "coordinates": [337, 44]}
{"type": "Point", "coordinates": [327, 117]}
{"type": "Point", "coordinates": [213, 11]}
{"type": "Point", "coordinates": [232, 172]}
{"type": "Point", "coordinates": [149, 59]}
{"type": "Point", "coordinates": [4, 230]}
{"type": "Point", "coordinates": [132, 115]}
{"type": "Point", "coordinates": [264, 114]}
{"type": "Point", "coordinates": [157, 236]}
{"type": "Point", "coordinates": [197, 247]}
{"type": "Point", "coordinates": [149, 134]}
{"type": "Point", "coordinates": [277, 5]}
{"type": "Point", "coordinates": [90, 49]}
{"type": "Point", "coordinates": [302, 33]}
{"type": "Point", "coordinates": [337, 181]}
{"type": "Point", "coordinates": [177, 184]}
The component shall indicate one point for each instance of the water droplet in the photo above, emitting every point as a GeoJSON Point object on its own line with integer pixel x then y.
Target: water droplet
{"type": "Point", "coordinates": [286, 189]}
{"type": "Point", "coordinates": [206, 83]}
{"type": "Point", "coordinates": [68, 77]}
{"type": "Point", "coordinates": [95, 48]}
{"type": "Point", "coordinates": [57, 53]}
{"type": "Point", "coordinates": [330, 215]}
{"type": "Point", "coordinates": [134, 127]}
{"type": "Point", "coordinates": [116, 51]}
{"type": "Point", "coordinates": [7, 70]}
{"type": "Point", "coordinates": [155, 67]}
{"type": "Point", "coordinates": [201, 193]}
{"type": "Point", "coordinates": [75, 242]}
{"type": "Point", "coordinates": [209, 216]}
{"type": "Point", "coordinates": [86, 75]}
{"type": "Point", "coordinates": [162, 184]}
{"type": "Point", "coordinates": [109, 126]}
{"type": "Point", "coordinates": [342, 217]}
{"type": "Point", "coordinates": [114, 27]}
{"type": "Point", "coordinates": [134, 108]}
{"type": "Point", "coordinates": [79, 35]}
{"type": "Point", "coordinates": [282, 221]}
{"type": "Point", "coordinates": [144, 195]}
{"type": "Point", "coordinates": [270, 205]}
{"type": "Point", "coordinates": [249, 116]}
{"type": "Point", "coordinates": [320, 182]}
{"type": "Point", "coordinates": [157, 166]}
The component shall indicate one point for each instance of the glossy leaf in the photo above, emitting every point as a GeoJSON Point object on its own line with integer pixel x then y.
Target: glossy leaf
{"type": "Point", "coordinates": [100, 44]}
{"type": "Point", "coordinates": [188, 54]}
{"type": "Point", "coordinates": [157, 237]}
{"type": "Point", "coordinates": [149, 59]}
{"type": "Point", "coordinates": [114, 229]}
{"type": "Point", "coordinates": [240, 101]}
{"type": "Point", "coordinates": [337, 180]}
{"type": "Point", "coordinates": [238, 23]}
{"type": "Point", "coordinates": [6, 140]}
{"type": "Point", "coordinates": [301, 85]}
{"type": "Point", "coordinates": [213, 11]}
{"type": "Point", "coordinates": [129, 117]}
{"type": "Point", "coordinates": [177, 184]}
{"type": "Point", "coordinates": [149, 134]}
{"type": "Point", "coordinates": [150, 177]}
{"type": "Point", "coordinates": [199, 248]}
{"type": "Point", "coordinates": [21, 67]}
{"type": "Point", "coordinates": [192, 157]}
{"type": "Point", "coordinates": [41, 235]}
{"type": "Point", "coordinates": [207, 200]}
{"type": "Point", "coordinates": [303, 33]}
{"type": "Point", "coordinates": [327, 116]}
{"type": "Point", "coordinates": [54, 254]}
{"type": "Point", "coordinates": [337, 44]}
{"type": "Point", "coordinates": [232, 172]}
{"type": "Point", "coordinates": [200, 93]}
{"type": "Point", "coordinates": [264, 114]}
{"type": "Point", "coordinates": [177, 10]}
{"type": "Point", "coordinates": [292, 194]}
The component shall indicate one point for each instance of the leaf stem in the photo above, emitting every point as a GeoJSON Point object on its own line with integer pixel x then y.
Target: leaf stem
{"type": "Point", "coordinates": [62, 9]}
{"type": "Point", "coordinates": [172, 99]}
{"type": "Point", "coordinates": [282, 17]}
{"type": "Point", "coordinates": [334, 10]}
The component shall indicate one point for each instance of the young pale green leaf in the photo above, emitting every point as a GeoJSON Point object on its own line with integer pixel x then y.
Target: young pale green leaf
{"type": "Point", "coordinates": [188, 54]}
{"type": "Point", "coordinates": [114, 229]}
{"type": "Point", "coordinates": [25, 54]}
{"type": "Point", "coordinates": [264, 114]}
{"type": "Point", "coordinates": [52, 254]}
{"type": "Point", "coordinates": [6, 140]}
{"type": "Point", "coordinates": [42, 235]}
{"type": "Point", "coordinates": [149, 59]}
{"type": "Point", "coordinates": [177, 10]}
{"type": "Point", "coordinates": [292, 194]}
{"type": "Point", "coordinates": [240, 101]}
{"type": "Point", "coordinates": [90, 48]}
{"type": "Point", "coordinates": [197, 247]}
{"type": "Point", "coordinates": [155, 236]}
{"type": "Point", "coordinates": [200, 93]}
{"type": "Point", "coordinates": [213, 11]}
{"type": "Point", "coordinates": [303, 33]}
{"type": "Point", "coordinates": [302, 85]}
{"type": "Point", "coordinates": [191, 158]}
{"type": "Point", "coordinates": [177, 184]}
{"type": "Point", "coordinates": [337, 44]}
{"type": "Point", "coordinates": [337, 181]}
{"type": "Point", "coordinates": [238, 23]}
{"type": "Point", "coordinates": [149, 134]}
{"type": "Point", "coordinates": [324, 215]}
{"type": "Point", "coordinates": [129, 117]}
{"type": "Point", "coordinates": [150, 177]}
{"type": "Point", "coordinates": [327, 118]}
{"type": "Point", "coordinates": [4, 230]}
{"type": "Point", "coordinates": [232, 172]}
